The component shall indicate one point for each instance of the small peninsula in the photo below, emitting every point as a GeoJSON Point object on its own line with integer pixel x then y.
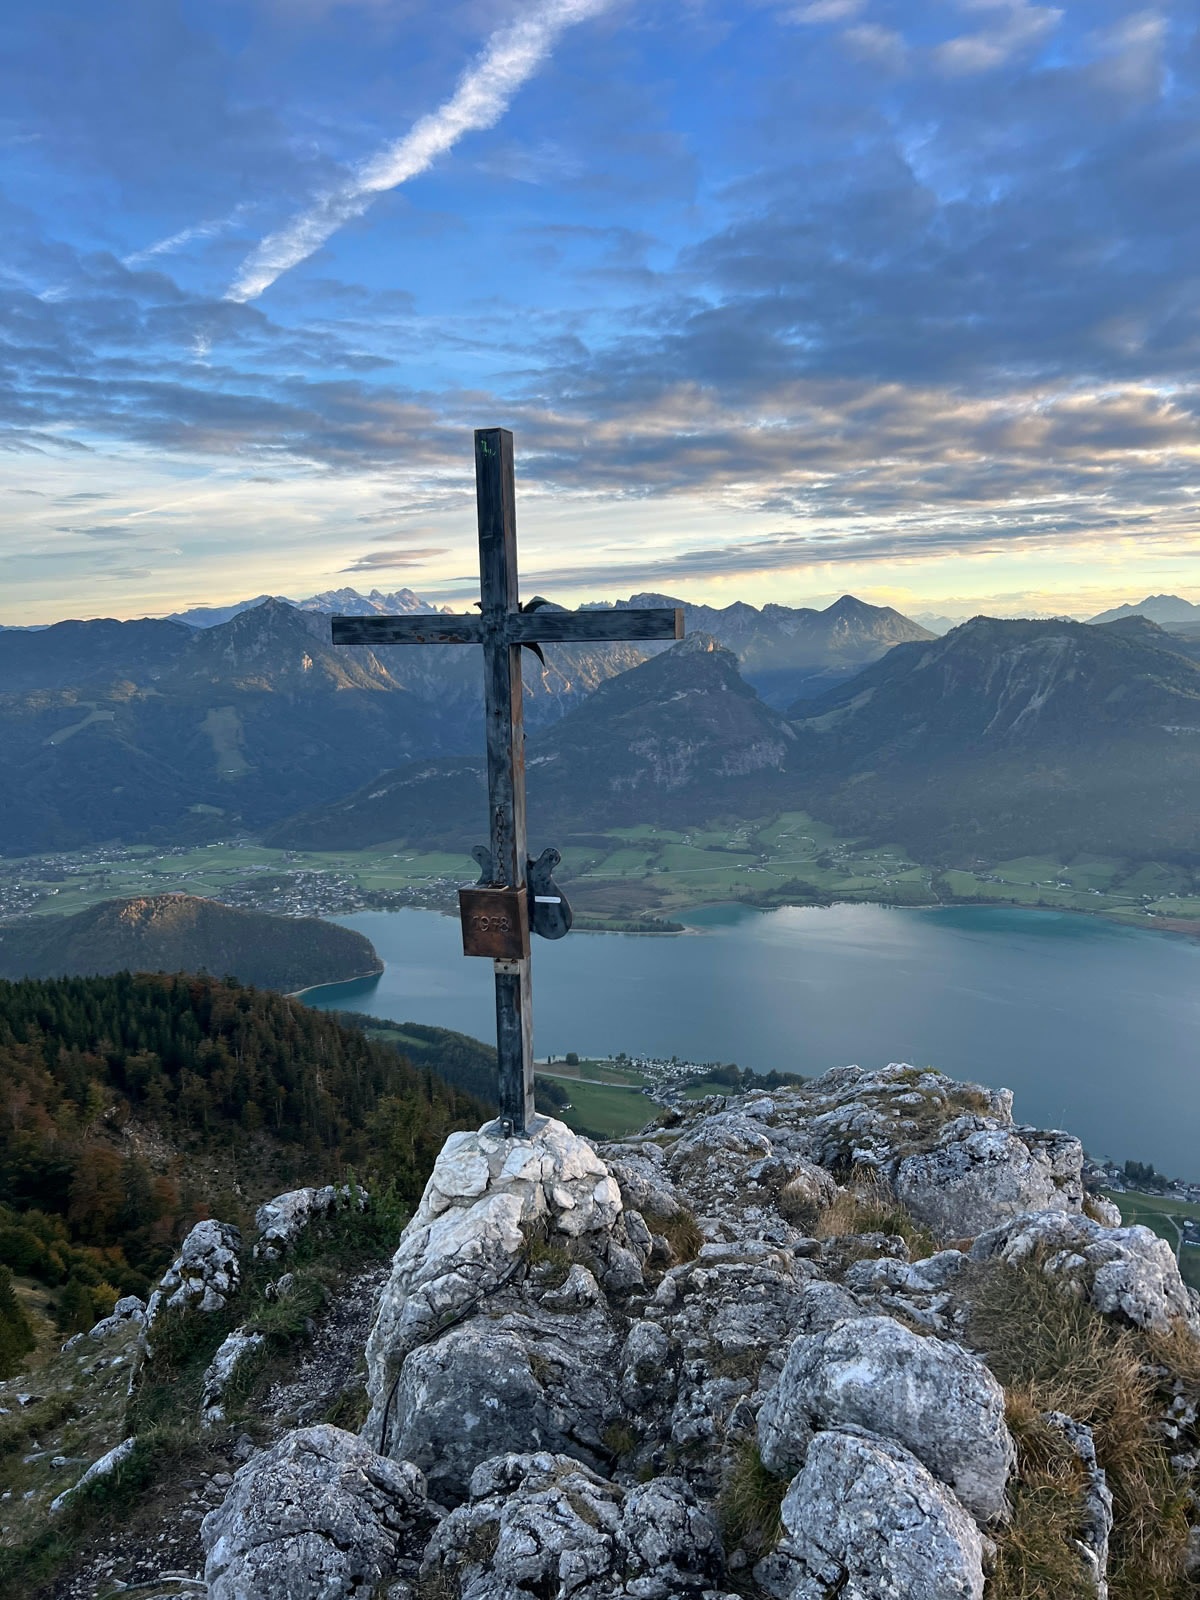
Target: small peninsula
{"type": "Point", "coordinates": [183, 933]}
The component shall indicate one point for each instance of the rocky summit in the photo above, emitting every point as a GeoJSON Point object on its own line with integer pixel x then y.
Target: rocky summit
{"type": "Point", "coordinates": [868, 1338]}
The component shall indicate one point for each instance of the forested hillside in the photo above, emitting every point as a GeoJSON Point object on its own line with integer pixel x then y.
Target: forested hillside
{"type": "Point", "coordinates": [183, 933]}
{"type": "Point", "coordinates": [135, 1105]}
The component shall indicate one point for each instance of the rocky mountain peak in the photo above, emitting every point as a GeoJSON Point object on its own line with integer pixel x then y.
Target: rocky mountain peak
{"type": "Point", "coordinates": [772, 1348]}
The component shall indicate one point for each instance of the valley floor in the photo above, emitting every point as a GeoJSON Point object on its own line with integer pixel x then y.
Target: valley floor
{"type": "Point", "coordinates": [633, 879]}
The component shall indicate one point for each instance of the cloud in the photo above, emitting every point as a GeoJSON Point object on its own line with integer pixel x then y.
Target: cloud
{"type": "Point", "coordinates": [482, 96]}
{"type": "Point", "coordinates": [826, 10]}
{"type": "Point", "coordinates": [185, 236]}
{"type": "Point", "coordinates": [884, 46]}
{"type": "Point", "coordinates": [1021, 26]}
{"type": "Point", "coordinates": [385, 560]}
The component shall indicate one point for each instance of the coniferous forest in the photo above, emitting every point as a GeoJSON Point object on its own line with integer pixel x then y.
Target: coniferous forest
{"type": "Point", "coordinates": [135, 1105]}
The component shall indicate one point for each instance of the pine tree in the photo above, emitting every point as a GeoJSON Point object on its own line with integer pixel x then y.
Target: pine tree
{"type": "Point", "coordinates": [16, 1331]}
{"type": "Point", "coordinates": [75, 1310]}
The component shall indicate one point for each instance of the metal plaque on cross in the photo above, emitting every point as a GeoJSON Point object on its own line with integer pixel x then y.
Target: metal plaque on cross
{"type": "Point", "coordinates": [514, 894]}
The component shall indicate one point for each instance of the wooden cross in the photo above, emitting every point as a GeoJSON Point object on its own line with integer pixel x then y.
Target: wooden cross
{"type": "Point", "coordinates": [503, 628]}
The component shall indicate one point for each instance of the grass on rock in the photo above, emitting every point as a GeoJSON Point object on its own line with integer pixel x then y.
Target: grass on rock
{"type": "Point", "coordinates": [1053, 1352]}
{"type": "Point", "coordinates": [868, 1205]}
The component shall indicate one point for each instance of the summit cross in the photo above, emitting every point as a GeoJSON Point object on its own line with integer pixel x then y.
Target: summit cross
{"type": "Point", "coordinates": [497, 914]}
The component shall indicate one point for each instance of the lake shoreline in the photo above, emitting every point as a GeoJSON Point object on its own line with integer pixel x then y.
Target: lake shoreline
{"type": "Point", "coordinates": [336, 983]}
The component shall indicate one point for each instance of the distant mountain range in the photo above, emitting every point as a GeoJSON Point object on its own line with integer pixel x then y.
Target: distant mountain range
{"type": "Point", "coordinates": [153, 730]}
{"type": "Point", "coordinates": [180, 933]}
{"type": "Point", "coordinates": [1002, 738]}
{"type": "Point", "coordinates": [224, 718]}
{"type": "Point", "coordinates": [1165, 609]}
{"type": "Point", "coordinates": [343, 602]}
{"type": "Point", "coordinates": [788, 652]}
{"type": "Point", "coordinates": [999, 737]}
{"type": "Point", "coordinates": [784, 652]}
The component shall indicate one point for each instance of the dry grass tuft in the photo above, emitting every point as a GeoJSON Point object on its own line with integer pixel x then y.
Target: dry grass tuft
{"type": "Point", "coordinates": [868, 1205]}
{"type": "Point", "coordinates": [680, 1230]}
{"type": "Point", "coordinates": [750, 1502]}
{"type": "Point", "coordinates": [1053, 1352]}
{"type": "Point", "coordinates": [1035, 1556]}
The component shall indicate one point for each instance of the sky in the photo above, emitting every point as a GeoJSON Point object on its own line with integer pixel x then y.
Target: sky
{"type": "Point", "coordinates": [780, 300]}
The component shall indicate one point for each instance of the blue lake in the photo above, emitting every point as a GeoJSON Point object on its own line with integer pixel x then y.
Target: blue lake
{"type": "Point", "coordinates": [1096, 1027]}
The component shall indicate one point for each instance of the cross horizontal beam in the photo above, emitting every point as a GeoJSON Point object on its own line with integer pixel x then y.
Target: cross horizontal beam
{"type": "Point", "coordinates": [520, 627]}
{"type": "Point", "coordinates": [424, 628]}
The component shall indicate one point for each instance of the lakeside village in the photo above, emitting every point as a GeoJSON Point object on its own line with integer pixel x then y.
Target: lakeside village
{"type": "Point", "coordinates": [301, 892]}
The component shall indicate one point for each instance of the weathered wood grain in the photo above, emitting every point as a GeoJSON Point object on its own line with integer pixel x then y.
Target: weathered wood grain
{"type": "Point", "coordinates": [578, 627]}
{"type": "Point", "coordinates": [423, 629]}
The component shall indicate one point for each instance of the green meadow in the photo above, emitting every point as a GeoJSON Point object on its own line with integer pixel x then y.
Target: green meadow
{"type": "Point", "coordinates": [633, 879]}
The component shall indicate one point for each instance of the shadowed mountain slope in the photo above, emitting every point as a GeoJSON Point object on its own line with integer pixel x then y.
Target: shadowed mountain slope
{"type": "Point", "coordinates": [1013, 736]}
{"type": "Point", "coordinates": [151, 730]}
{"type": "Point", "coordinates": [683, 736]}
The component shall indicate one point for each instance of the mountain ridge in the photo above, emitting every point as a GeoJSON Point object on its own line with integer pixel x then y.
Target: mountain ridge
{"type": "Point", "coordinates": [1007, 736]}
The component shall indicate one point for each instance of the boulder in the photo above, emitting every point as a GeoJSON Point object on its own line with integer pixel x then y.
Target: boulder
{"type": "Point", "coordinates": [204, 1275]}
{"type": "Point", "coordinates": [512, 1385]}
{"type": "Point", "coordinates": [235, 1348]}
{"type": "Point", "coordinates": [104, 1467]}
{"type": "Point", "coordinates": [930, 1396]}
{"type": "Point", "coordinates": [864, 1520]}
{"type": "Point", "coordinates": [468, 1235]}
{"type": "Point", "coordinates": [542, 1525]}
{"type": "Point", "coordinates": [281, 1221]}
{"type": "Point", "coordinates": [711, 1340]}
{"type": "Point", "coordinates": [861, 1118]}
{"type": "Point", "coordinates": [128, 1311]}
{"type": "Point", "coordinates": [318, 1516]}
{"type": "Point", "coordinates": [981, 1171]}
{"type": "Point", "coordinates": [1127, 1273]}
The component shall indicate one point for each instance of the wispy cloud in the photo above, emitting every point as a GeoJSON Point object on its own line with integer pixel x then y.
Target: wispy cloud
{"type": "Point", "coordinates": [184, 237]}
{"type": "Point", "coordinates": [387, 560]}
{"type": "Point", "coordinates": [483, 94]}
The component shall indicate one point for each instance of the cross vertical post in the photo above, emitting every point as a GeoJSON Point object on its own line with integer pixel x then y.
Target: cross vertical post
{"type": "Point", "coordinates": [514, 893]}
{"type": "Point", "coordinates": [495, 493]}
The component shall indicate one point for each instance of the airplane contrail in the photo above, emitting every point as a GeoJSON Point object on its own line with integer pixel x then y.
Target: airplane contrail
{"type": "Point", "coordinates": [483, 94]}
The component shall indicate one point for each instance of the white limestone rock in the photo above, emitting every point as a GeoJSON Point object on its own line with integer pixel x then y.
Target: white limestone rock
{"type": "Point", "coordinates": [129, 1310]}
{"type": "Point", "coordinates": [491, 1387]}
{"type": "Point", "coordinates": [1103, 1211]}
{"type": "Point", "coordinates": [1097, 1522]}
{"type": "Point", "coordinates": [466, 1235]}
{"type": "Point", "coordinates": [102, 1468]}
{"type": "Point", "coordinates": [981, 1171]}
{"type": "Point", "coordinates": [204, 1275]}
{"type": "Point", "coordinates": [864, 1520]}
{"type": "Point", "coordinates": [281, 1221]}
{"type": "Point", "coordinates": [318, 1516]}
{"type": "Point", "coordinates": [235, 1348]}
{"type": "Point", "coordinates": [865, 1118]}
{"type": "Point", "coordinates": [646, 1185]}
{"type": "Point", "coordinates": [928, 1395]}
{"type": "Point", "coordinates": [1128, 1273]}
{"type": "Point", "coordinates": [541, 1525]}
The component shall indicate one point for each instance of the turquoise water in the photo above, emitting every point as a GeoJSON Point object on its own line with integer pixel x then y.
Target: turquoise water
{"type": "Point", "coordinates": [1096, 1027]}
